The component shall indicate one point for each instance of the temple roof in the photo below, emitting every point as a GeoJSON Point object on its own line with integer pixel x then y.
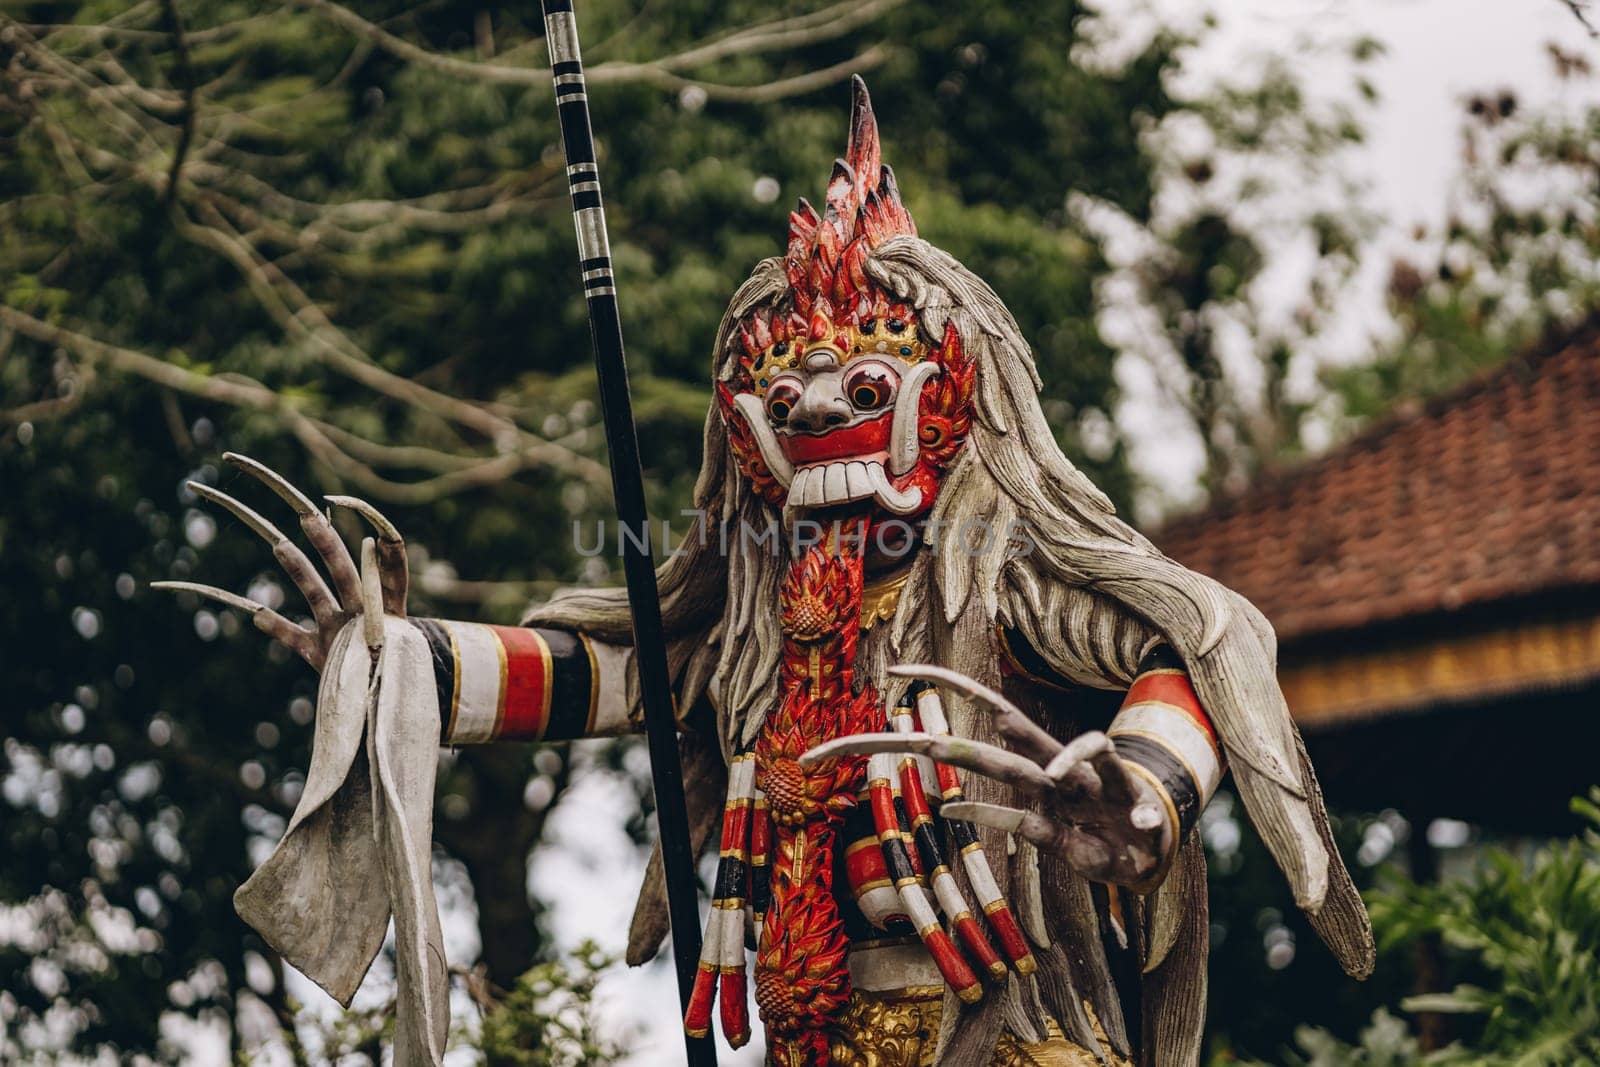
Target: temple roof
{"type": "Point", "coordinates": [1488, 493]}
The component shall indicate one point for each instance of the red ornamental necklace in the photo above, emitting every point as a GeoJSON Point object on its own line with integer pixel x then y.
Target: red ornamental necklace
{"type": "Point", "coordinates": [789, 816]}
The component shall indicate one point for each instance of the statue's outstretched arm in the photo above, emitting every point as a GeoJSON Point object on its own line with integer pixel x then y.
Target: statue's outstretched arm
{"type": "Point", "coordinates": [494, 683]}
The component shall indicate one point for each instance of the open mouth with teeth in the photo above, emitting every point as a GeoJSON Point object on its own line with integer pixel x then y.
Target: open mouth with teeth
{"type": "Point", "coordinates": [844, 482]}
{"type": "Point", "coordinates": [869, 457]}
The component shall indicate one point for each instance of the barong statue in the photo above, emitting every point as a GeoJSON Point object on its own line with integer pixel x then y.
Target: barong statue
{"type": "Point", "coordinates": [882, 635]}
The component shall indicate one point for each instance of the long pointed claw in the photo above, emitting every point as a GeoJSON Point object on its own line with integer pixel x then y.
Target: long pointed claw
{"type": "Point", "coordinates": [233, 600]}
{"type": "Point", "coordinates": [263, 528]}
{"type": "Point", "coordinates": [986, 759]}
{"type": "Point", "coordinates": [319, 531]}
{"type": "Point", "coordinates": [1040, 829]}
{"type": "Point", "coordinates": [269, 622]}
{"type": "Point", "coordinates": [1089, 765]}
{"type": "Point", "coordinates": [386, 529]}
{"type": "Point", "coordinates": [270, 478]}
{"type": "Point", "coordinates": [293, 561]}
{"type": "Point", "coordinates": [393, 570]}
{"type": "Point", "coordinates": [1023, 733]}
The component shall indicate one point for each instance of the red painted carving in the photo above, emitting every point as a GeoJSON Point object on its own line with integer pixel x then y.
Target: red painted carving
{"type": "Point", "coordinates": [801, 978]}
{"type": "Point", "coordinates": [746, 453]}
{"type": "Point", "coordinates": [947, 402]}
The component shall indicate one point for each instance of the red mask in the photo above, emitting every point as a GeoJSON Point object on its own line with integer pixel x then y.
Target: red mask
{"type": "Point", "coordinates": [840, 399]}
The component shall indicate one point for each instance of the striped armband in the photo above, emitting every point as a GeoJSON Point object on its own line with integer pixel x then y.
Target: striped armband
{"type": "Point", "coordinates": [1167, 738]}
{"type": "Point", "coordinates": [518, 683]}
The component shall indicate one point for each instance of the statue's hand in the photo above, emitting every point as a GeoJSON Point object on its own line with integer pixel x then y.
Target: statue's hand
{"type": "Point", "coordinates": [330, 610]}
{"type": "Point", "coordinates": [1105, 819]}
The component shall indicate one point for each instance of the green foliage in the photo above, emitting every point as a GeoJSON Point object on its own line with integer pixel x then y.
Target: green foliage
{"type": "Point", "coordinates": [1385, 1042]}
{"type": "Point", "coordinates": [1269, 972]}
{"type": "Point", "coordinates": [1525, 931]}
{"type": "Point", "coordinates": [1225, 293]}
{"type": "Point", "coordinates": [549, 1019]}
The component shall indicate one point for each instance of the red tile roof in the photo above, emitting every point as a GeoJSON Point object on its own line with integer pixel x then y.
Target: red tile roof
{"type": "Point", "coordinates": [1486, 493]}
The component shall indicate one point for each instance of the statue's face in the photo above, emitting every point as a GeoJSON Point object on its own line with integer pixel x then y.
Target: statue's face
{"type": "Point", "coordinates": [842, 413]}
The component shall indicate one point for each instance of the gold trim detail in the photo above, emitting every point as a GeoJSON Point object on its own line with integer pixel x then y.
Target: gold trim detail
{"type": "Point", "coordinates": [1166, 746]}
{"type": "Point", "coordinates": [455, 684]}
{"type": "Point", "coordinates": [500, 702]}
{"type": "Point", "coordinates": [880, 598]}
{"type": "Point", "coordinates": [900, 1028]}
{"type": "Point", "coordinates": [547, 664]}
{"type": "Point", "coordinates": [1160, 873]}
{"type": "Point", "coordinates": [594, 682]}
{"type": "Point", "coordinates": [1531, 656]}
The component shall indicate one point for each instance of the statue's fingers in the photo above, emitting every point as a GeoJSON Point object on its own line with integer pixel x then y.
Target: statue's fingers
{"type": "Point", "coordinates": [393, 570]}
{"type": "Point", "coordinates": [1073, 769]}
{"type": "Point", "coordinates": [319, 531]}
{"type": "Point", "coordinates": [301, 640]}
{"type": "Point", "coordinates": [977, 756]}
{"type": "Point", "coordinates": [1072, 765]}
{"type": "Point", "coordinates": [1116, 782]}
{"type": "Point", "coordinates": [1021, 732]}
{"type": "Point", "coordinates": [294, 562]}
{"type": "Point", "coordinates": [371, 595]}
{"type": "Point", "coordinates": [1041, 830]}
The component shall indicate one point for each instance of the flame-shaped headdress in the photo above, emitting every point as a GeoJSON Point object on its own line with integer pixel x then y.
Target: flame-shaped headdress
{"type": "Point", "coordinates": [833, 302]}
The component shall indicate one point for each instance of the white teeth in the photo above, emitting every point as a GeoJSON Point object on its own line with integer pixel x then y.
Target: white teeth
{"type": "Point", "coordinates": [813, 488]}
{"type": "Point", "coordinates": [834, 487]}
{"type": "Point", "coordinates": [856, 480]}
{"type": "Point", "coordinates": [841, 483]}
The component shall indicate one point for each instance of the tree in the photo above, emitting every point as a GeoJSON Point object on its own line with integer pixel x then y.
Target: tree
{"type": "Point", "coordinates": [1224, 296]}
{"type": "Point", "coordinates": [1515, 260]}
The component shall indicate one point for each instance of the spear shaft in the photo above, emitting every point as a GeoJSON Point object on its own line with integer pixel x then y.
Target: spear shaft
{"type": "Point", "coordinates": [627, 483]}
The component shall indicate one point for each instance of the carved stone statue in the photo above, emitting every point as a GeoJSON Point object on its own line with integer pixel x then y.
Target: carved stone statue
{"type": "Point", "coordinates": [881, 637]}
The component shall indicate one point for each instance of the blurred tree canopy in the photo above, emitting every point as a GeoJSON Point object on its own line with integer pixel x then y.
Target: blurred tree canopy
{"type": "Point", "coordinates": [336, 237]}
{"type": "Point", "coordinates": [1515, 259]}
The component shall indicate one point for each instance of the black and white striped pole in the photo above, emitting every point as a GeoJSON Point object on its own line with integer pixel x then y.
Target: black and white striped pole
{"type": "Point", "coordinates": [627, 483]}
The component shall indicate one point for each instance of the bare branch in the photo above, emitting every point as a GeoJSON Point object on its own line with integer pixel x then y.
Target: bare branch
{"type": "Point", "coordinates": [1580, 11]}
{"type": "Point", "coordinates": [773, 90]}
{"type": "Point", "coordinates": [97, 33]}
{"type": "Point", "coordinates": [185, 69]}
{"type": "Point", "coordinates": [781, 34]}
{"type": "Point", "coordinates": [308, 322]}
{"type": "Point", "coordinates": [236, 391]}
{"type": "Point", "coordinates": [829, 23]}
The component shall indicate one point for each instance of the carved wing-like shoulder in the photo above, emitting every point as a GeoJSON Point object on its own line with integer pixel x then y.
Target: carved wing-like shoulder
{"type": "Point", "coordinates": [1095, 633]}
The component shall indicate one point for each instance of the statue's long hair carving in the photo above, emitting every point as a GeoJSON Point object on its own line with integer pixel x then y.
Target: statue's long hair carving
{"type": "Point", "coordinates": [1088, 592]}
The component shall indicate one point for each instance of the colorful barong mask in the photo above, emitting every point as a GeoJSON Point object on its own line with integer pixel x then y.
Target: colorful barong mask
{"type": "Point", "coordinates": [838, 397]}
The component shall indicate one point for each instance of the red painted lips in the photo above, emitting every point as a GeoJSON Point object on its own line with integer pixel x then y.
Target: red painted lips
{"type": "Point", "coordinates": [848, 442]}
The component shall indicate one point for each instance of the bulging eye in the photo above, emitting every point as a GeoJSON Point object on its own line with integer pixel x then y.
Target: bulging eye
{"type": "Point", "coordinates": [781, 399]}
{"type": "Point", "coordinates": [870, 387]}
